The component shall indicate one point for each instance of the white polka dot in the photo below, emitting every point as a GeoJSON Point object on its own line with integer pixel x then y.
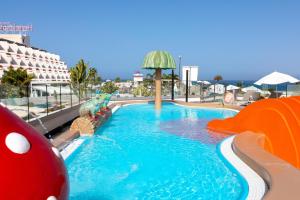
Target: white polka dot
{"type": "Point", "coordinates": [51, 198]}
{"type": "Point", "coordinates": [56, 152]}
{"type": "Point", "coordinates": [17, 143]}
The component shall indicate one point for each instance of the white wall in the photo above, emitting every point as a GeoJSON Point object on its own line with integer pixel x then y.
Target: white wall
{"type": "Point", "coordinates": [193, 73]}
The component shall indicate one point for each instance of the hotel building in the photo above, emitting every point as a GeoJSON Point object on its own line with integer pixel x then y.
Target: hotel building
{"type": "Point", "coordinates": [16, 52]}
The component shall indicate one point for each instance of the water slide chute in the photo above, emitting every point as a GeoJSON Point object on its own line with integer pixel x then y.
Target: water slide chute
{"type": "Point", "coordinates": [277, 119]}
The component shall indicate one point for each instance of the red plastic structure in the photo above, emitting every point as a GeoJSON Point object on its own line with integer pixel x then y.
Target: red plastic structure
{"type": "Point", "coordinates": [30, 167]}
{"type": "Point", "coordinates": [278, 119]}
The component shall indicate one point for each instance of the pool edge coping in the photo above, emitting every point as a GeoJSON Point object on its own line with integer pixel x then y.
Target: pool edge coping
{"type": "Point", "coordinates": [256, 186]}
{"type": "Point", "coordinates": [71, 147]}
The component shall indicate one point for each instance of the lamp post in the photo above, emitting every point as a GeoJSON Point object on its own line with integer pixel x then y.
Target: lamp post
{"type": "Point", "coordinates": [190, 82]}
{"type": "Point", "coordinates": [179, 67]}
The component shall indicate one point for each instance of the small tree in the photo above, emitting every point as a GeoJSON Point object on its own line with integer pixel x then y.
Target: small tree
{"type": "Point", "coordinates": [109, 87]}
{"type": "Point", "coordinates": [148, 81]}
{"type": "Point", "coordinates": [93, 76]}
{"type": "Point", "coordinates": [217, 78]}
{"type": "Point", "coordinates": [141, 90]}
{"type": "Point", "coordinates": [18, 78]}
{"type": "Point", "coordinates": [117, 79]}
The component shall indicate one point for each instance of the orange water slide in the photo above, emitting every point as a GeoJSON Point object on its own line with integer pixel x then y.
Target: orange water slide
{"type": "Point", "coordinates": [278, 119]}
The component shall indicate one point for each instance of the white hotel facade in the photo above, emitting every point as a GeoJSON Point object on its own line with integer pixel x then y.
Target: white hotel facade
{"type": "Point", "coordinates": [16, 52]}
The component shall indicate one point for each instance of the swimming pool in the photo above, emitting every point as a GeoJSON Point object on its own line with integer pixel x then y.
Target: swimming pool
{"type": "Point", "coordinates": [142, 154]}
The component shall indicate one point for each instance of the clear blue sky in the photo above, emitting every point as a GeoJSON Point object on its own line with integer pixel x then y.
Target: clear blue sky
{"type": "Point", "coordinates": [237, 39]}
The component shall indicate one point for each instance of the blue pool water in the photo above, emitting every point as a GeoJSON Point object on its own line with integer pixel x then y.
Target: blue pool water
{"type": "Point", "coordinates": [142, 154]}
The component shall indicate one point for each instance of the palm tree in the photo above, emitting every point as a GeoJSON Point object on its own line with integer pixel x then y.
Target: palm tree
{"type": "Point", "coordinates": [19, 78]}
{"type": "Point", "coordinates": [158, 60]}
{"type": "Point", "coordinates": [217, 78]}
{"type": "Point", "coordinates": [79, 72]}
{"type": "Point", "coordinates": [79, 75]}
{"type": "Point", "coordinates": [169, 76]}
{"type": "Point", "coordinates": [92, 75]}
{"type": "Point", "coordinates": [117, 79]}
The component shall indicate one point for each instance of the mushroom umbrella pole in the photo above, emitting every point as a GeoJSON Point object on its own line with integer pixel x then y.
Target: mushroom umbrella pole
{"type": "Point", "coordinates": [158, 60]}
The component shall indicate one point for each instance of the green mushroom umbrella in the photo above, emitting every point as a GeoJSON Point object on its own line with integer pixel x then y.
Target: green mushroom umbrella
{"type": "Point", "coordinates": [158, 60]}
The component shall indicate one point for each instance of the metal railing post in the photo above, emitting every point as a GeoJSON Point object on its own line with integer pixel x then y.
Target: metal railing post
{"type": "Point", "coordinates": [214, 91]}
{"type": "Point", "coordinates": [47, 99]}
{"type": "Point", "coordinates": [79, 94]}
{"type": "Point", "coordinates": [179, 67]}
{"type": "Point", "coordinates": [60, 96]}
{"type": "Point", "coordinates": [71, 96]}
{"type": "Point", "coordinates": [186, 86]}
{"type": "Point", "coordinates": [200, 92]}
{"type": "Point", "coordinates": [85, 91]}
{"type": "Point", "coordinates": [27, 93]}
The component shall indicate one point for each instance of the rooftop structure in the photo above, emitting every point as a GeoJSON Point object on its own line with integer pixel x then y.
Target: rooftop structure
{"type": "Point", "coordinates": [192, 73]}
{"type": "Point", "coordinates": [138, 77]}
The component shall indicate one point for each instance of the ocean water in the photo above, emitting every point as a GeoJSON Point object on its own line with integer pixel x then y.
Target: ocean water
{"type": "Point", "coordinates": [143, 154]}
{"type": "Point", "coordinates": [246, 83]}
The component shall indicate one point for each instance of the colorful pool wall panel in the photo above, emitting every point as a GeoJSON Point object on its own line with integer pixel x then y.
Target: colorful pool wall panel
{"type": "Point", "coordinates": [277, 119]}
{"type": "Point", "coordinates": [92, 113]}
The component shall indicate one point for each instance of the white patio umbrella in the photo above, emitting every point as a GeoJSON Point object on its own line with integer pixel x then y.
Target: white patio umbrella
{"type": "Point", "coordinates": [232, 87]}
{"type": "Point", "coordinates": [204, 82]}
{"type": "Point", "coordinates": [251, 88]}
{"type": "Point", "coordinates": [276, 78]}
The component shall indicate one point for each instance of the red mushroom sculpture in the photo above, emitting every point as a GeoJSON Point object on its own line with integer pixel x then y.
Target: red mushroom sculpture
{"type": "Point", "coordinates": [30, 167]}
